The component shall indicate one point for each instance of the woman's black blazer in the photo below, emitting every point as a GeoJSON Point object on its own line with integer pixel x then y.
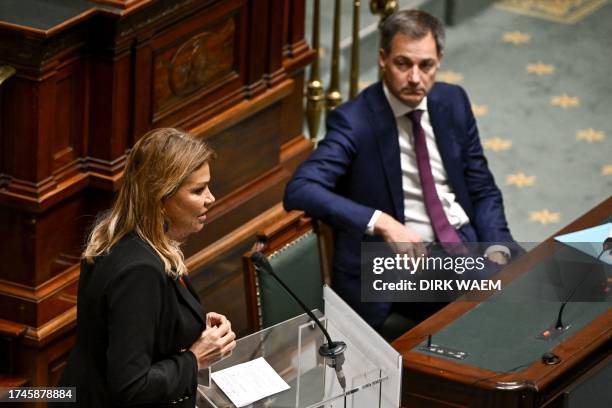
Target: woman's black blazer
{"type": "Point", "coordinates": [135, 325]}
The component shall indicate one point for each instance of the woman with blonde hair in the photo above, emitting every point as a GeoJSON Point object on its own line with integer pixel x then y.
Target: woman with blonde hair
{"type": "Point", "coordinates": [142, 334]}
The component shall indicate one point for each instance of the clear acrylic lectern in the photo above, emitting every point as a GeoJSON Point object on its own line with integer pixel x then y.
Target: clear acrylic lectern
{"type": "Point", "coordinates": [372, 367]}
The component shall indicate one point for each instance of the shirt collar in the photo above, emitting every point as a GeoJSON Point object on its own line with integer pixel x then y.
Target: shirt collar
{"type": "Point", "coordinates": [398, 107]}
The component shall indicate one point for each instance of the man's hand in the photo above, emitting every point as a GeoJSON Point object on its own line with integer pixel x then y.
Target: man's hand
{"type": "Point", "coordinates": [498, 257]}
{"type": "Point", "coordinates": [402, 239]}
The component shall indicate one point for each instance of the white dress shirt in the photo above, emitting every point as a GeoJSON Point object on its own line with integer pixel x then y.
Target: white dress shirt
{"type": "Point", "coordinates": [415, 214]}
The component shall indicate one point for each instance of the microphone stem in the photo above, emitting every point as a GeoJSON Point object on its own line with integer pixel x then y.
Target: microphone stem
{"type": "Point", "coordinates": [310, 314]}
{"type": "Point", "coordinates": [559, 323]}
{"type": "Point", "coordinates": [601, 253]}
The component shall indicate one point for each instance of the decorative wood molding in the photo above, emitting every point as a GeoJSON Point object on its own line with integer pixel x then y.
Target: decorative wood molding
{"type": "Point", "coordinates": [11, 329]}
{"type": "Point", "coordinates": [52, 329]}
{"type": "Point", "coordinates": [20, 195]}
{"type": "Point", "coordinates": [41, 292]}
{"type": "Point", "coordinates": [243, 110]}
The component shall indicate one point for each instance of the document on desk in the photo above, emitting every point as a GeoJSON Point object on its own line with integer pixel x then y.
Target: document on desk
{"type": "Point", "coordinates": [590, 241]}
{"type": "Point", "coordinates": [249, 382]}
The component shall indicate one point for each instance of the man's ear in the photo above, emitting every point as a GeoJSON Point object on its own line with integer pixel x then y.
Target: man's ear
{"type": "Point", "coordinates": [440, 58]}
{"type": "Point", "coordinates": [381, 59]}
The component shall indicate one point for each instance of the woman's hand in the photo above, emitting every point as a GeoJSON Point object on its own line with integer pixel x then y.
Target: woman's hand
{"type": "Point", "coordinates": [216, 342]}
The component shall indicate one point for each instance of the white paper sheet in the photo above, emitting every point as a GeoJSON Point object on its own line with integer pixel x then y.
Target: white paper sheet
{"type": "Point", "coordinates": [249, 382]}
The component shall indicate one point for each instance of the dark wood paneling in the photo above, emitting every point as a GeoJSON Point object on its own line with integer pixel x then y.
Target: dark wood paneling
{"type": "Point", "coordinates": [238, 208]}
{"type": "Point", "coordinates": [244, 150]}
{"type": "Point", "coordinates": [274, 69]}
{"type": "Point", "coordinates": [85, 90]}
{"type": "Point", "coordinates": [294, 27]}
{"type": "Point", "coordinates": [60, 238]}
{"type": "Point", "coordinates": [192, 59]}
{"type": "Point", "coordinates": [258, 23]}
{"type": "Point", "coordinates": [110, 110]}
{"type": "Point", "coordinates": [221, 288]}
{"type": "Point", "coordinates": [292, 112]}
{"type": "Point", "coordinates": [69, 130]}
{"type": "Point", "coordinates": [17, 251]}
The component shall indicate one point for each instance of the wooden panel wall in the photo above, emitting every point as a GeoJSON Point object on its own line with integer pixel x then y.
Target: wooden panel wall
{"type": "Point", "coordinates": [85, 90]}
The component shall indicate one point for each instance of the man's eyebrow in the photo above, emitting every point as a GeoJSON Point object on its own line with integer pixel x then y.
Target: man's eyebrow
{"type": "Point", "coordinates": [403, 58]}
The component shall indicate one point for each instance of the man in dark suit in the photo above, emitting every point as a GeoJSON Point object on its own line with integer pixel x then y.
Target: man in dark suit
{"type": "Point", "coordinates": [402, 162]}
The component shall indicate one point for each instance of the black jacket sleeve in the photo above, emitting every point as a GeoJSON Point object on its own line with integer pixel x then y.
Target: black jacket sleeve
{"type": "Point", "coordinates": [135, 300]}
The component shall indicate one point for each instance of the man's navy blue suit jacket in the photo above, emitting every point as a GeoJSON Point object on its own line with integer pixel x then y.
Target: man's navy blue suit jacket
{"type": "Point", "coordinates": [356, 170]}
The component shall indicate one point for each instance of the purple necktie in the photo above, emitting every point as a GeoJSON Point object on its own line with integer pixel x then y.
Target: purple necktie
{"type": "Point", "coordinates": [442, 228]}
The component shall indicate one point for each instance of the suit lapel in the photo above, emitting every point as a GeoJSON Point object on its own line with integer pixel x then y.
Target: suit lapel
{"type": "Point", "coordinates": [388, 144]}
{"type": "Point", "coordinates": [190, 297]}
{"type": "Point", "coordinates": [445, 140]}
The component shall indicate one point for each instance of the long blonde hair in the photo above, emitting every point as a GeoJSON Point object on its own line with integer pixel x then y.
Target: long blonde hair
{"type": "Point", "coordinates": [156, 167]}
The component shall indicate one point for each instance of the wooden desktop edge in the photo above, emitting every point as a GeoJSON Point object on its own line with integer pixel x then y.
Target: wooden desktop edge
{"type": "Point", "coordinates": [572, 351]}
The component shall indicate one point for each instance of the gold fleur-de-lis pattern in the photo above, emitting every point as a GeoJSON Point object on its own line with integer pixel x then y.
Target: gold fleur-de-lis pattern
{"type": "Point", "coordinates": [520, 180]}
{"type": "Point", "coordinates": [479, 110]}
{"type": "Point", "coordinates": [496, 144]}
{"type": "Point", "coordinates": [544, 217]}
{"type": "Point", "coordinates": [590, 135]}
{"type": "Point", "coordinates": [565, 101]}
{"type": "Point", "coordinates": [516, 37]}
{"type": "Point", "coordinates": [451, 77]}
{"type": "Point", "coordinates": [539, 68]}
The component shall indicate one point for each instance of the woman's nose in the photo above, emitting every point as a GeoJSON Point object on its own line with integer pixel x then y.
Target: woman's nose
{"type": "Point", "coordinates": [211, 198]}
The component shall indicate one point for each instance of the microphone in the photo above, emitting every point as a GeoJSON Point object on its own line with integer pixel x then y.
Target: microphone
{"type": "Point", "coordinates": [558, 328]}
{"type": "Point", "coordinates": [332, 351]}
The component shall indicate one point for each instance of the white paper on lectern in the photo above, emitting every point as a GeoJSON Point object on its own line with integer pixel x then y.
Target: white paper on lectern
{"type": "Point", "coordinates": [249, 382]}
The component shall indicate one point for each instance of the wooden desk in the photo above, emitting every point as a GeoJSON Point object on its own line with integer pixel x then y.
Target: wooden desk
{"type": "Point", "coordinates": [431, 381]}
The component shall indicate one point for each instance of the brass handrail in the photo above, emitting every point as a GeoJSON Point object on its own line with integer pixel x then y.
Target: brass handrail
{"type": "Point", "coordinates": [317, 100]}
{"type": "Point", "coordinates": [354, 84]}
{"type": "Point", "coordinates": [333, 96]}
{"type": "Point", "coordinates": [314, 88]}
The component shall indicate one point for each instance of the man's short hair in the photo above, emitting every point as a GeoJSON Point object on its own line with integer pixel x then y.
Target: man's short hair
{"type": "Point", "coordinates": [415, 24]}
